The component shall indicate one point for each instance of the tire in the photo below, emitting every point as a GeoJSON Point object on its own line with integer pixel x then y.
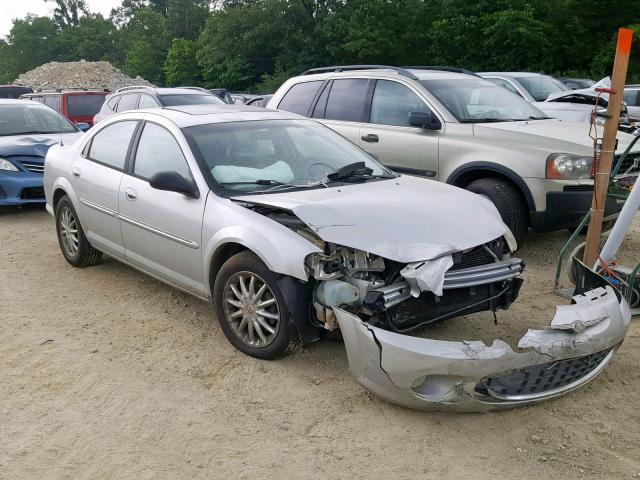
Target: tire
{"type": "Point", "coordinates": [508, 201]}
{"type": "Point", "coordinates": [76, 249]}
{"type": "Point", "coordinates": [247, 314]}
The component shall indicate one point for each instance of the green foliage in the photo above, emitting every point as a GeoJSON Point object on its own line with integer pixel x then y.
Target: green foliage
{"type": "Point", "coordinates": [257, 44]}
{"type": "Point", "coordinates": [181, 66]}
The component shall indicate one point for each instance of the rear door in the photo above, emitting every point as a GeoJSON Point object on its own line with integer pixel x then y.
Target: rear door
{"type": "Point", "coordinates": [390, 138]}
{"type": "Point", "coordinates": [162, 230]}
{"type": "Point", "coordinates": [96, 177]}
{"type": "Point", "coordinates": [632, 99]}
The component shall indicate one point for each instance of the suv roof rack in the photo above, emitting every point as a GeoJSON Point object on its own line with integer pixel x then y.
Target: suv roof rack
{"type": "Point", "coordinates": [200, 89]}
{"type": "Point", "coordinates": [347, 68]}
{"type": "Point", "coordinates": [441, 68]}
{"type": "Point", "coordinates": [72, 89]}
{"type": "Point", "coordinates": [133, 87]}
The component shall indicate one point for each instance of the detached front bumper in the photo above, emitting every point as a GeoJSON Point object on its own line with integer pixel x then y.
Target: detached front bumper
{"type": "Point", "coordinates": [471, 376]}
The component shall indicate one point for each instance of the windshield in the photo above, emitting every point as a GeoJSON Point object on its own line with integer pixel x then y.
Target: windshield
{"type": "Point", "coordinates": [265, 155]}
{"type": "Point", "coordinates": [84, 105]}
{"type": "Point", "coordinates": [27, 118]}
{"type": "Point", "coordinates": [475, 100]}
{"type": "Point", "coordinates": [541, 86]}
{"type": "Point", "coordinates": [187, 99]}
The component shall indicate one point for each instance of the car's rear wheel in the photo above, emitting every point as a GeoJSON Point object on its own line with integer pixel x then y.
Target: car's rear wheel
{"type": "Point", "coordinates": [507, 200]}
{"type": "Point", "coordinates": [251, 309]}
{"type": "Point", "coordinates": [74, 245]}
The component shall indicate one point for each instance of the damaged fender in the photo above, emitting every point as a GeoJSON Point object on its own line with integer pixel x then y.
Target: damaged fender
{"type": "Point", "coordinates": [471, 376]}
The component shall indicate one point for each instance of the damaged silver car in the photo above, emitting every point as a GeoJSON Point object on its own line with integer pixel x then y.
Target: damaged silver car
{"type": "Point", "coordinates": [292, 231]}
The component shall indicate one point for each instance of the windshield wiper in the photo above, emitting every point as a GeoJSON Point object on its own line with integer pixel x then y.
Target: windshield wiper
{"type": "Point", "coordinates": [275, 184]}
{"type": "Point", "coordinates": [262, 181]}
{"type": "Point", "coordinates": [356, 169]}
{"type": "Point", "coordinates": [485, 120]}
{"type": "Point", "coordinates": [531, 117]}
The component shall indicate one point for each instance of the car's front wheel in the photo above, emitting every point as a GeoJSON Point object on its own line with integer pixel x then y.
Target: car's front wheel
{"type": "Point", "coordinates": [74, 245]}
{"type": "Point", "coordinates": [251, 309]}
{"type": "Point", "coordinates": [508, 201]}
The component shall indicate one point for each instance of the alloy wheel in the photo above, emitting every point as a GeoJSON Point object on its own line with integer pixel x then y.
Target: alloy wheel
{"type": "Point", "coordinates": [69, 232]}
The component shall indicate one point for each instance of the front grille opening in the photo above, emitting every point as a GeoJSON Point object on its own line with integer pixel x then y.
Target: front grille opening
{"type": "Point", "coordinates": [577, 188]}
{"type": "Point", "coordinates": [538, 379]}
{"type": "Point", "coordinates": [32, 193]}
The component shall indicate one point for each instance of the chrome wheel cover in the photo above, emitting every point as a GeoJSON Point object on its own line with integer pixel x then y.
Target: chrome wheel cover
{"type": "Point", "coordinates": [69, 232]}
{"type": "Point", "coordinates": [251, 309]}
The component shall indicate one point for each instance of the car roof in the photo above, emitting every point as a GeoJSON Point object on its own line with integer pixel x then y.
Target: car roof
{"type": "Point", "coordinates": [164, 91]}
{"type": "Point", "coordinates": [18, 101]}
{"type": "Point", "coordinates": [191, 115]}
{"type": "Point", "coordinates": [516, 74]}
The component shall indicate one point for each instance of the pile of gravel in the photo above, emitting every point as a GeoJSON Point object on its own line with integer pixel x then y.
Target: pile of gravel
{"type": "Point", "coordinates": [89, 75]}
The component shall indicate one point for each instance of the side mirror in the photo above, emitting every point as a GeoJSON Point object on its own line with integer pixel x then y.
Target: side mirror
{"type": "Point", "coordinates": [426, 120]}
{"type": "Point", "coordinates": [83, 126]}
{"type": "Point", "coordinates": [174, 182]}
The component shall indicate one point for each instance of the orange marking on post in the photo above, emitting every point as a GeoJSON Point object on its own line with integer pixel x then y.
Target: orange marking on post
{"type": "Point", "coordinates": [624, 40]}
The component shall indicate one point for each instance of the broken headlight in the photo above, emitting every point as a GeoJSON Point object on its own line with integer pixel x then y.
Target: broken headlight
{"type": "Point", "coordinates": [339, 261]}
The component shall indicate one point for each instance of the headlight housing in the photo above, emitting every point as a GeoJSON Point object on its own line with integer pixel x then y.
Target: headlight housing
{"type": "Point", "coordinates": [7, 166]}
{"type": "Point", "coordinates": [566, 166]}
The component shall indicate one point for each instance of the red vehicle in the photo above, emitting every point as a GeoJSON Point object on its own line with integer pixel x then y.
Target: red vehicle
{"type": "Point", "coordinates": [79, 106]}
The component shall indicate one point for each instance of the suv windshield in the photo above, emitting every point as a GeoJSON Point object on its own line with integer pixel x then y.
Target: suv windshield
{"type": "Point", "coordinates": [28, 119]}
{"type": "Point", "coordinates": [475, 100]}
{"type": "Point", "coordinates": [541, 86]}
{"type": "Point", "coordinates": [269, 155]}
{"type": "Point", "coordinates": [189, 99]}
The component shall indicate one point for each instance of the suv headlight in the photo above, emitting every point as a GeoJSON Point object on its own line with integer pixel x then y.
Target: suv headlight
{"type": "Point", "coordinates": [7, 166]}
{"type": "Point", "coordinates": [565, 166]}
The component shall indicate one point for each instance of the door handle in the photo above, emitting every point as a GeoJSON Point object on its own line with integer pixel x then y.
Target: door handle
{"type": "Point", "coordinates": [75, 171]}
{"type": "Point", "coordinates": [131, 194]}
{"type": "Point", "coordinates": [371, 138]}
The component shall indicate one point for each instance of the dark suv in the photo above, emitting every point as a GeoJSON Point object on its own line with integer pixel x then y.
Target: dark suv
{"type": "Point", "coordinates": [13, 91]}
{"type": "Point", "coordinates": [79, 106]}
{"type": "Point", "coordinates": [134, 98]}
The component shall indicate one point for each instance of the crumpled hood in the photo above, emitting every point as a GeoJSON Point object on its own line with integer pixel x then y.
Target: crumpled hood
{"type": "Point", "coordinates": [407, 219]}
{"type": "Point", "coordinates": [33, 145]}
{"type": "Point", "coordinates": [548, 135]}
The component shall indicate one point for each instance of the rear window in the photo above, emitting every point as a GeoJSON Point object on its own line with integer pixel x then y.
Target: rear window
{"type": "Point", "coordinates": [187, 99]}
{"type": "Point", "coordinates": [84, 105]}
{"type": "Point", "coordinates": [299, 97]}
{"type": "Point", "coordinates": [11, 91]}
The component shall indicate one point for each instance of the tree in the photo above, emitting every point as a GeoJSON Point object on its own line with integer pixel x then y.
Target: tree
{"type": "Point", "coordinates": [94, 38]}
{"type": "Point", "coordinates": [181, 66]}
{"type": "Point", "coordinates": [185, 18]}
{"type": "Point", "coordinates": [146, 41]}
{"type": "Point", "coordinates": [67, 12]}
{"type": "Point", "coordinates": [29, 44]}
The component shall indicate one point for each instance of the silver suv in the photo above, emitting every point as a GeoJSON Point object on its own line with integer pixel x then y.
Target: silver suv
{"type": "Point", "coordinates": [138, 98]}
{"type": "Point", "coordinates": [461, 129]}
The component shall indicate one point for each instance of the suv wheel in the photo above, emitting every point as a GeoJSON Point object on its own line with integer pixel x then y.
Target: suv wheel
{"type": "Point", "coordinates": [74, 245]}
{"type": "Point", "coordinates": [251, 309]}
{"type": "Point", "coordinates": [507, 200]}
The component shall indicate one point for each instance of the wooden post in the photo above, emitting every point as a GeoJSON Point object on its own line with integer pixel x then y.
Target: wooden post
{"type": "Point", "coordinates": [603, 172]}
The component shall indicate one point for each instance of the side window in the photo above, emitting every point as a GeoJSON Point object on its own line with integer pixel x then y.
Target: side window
{"type": "Point", "coordinates": [347, 100]}
{"type": "Point", "coordinates": [147, 101]}
{"type": "Point", "coordinates": [158, 151]}
{"type": "Point", "coordinates": [503, 83]}
{"type": "Point", "coordinates": [128, 102]}
{"type": "Point", "coordinates": [110, 145]}
{"type": "Point", "coordinates": [321, 105]}
{"type": "Point", "coordinates": [112, 102]}
{"type": "Point", "coordinates": [632, 98]}
{"type": "Point", "coordinates": [52, 101]}
{"type": "Point", "coordinates": [392, 103]}
{"type": "Point", "coordinates": [299, 97]}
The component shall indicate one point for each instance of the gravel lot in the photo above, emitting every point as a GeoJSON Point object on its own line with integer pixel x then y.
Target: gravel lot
{"type": "Point", "coordinates": [108, 374]}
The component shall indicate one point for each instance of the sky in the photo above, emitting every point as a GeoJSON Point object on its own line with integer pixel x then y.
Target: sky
{"type": "Point", "coordinates": [10, 9]}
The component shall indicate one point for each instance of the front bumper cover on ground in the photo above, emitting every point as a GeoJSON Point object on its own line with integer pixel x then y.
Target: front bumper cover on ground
{"type": "Point", "coordinates": [471, 376]}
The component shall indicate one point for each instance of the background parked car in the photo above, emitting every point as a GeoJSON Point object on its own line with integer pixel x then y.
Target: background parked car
{"type": "Point", "coordinates": [13, 91]}
{"type": "Point", "coordinates": [577, 83]}
{"type": "Point", "coordinates": [134, 98]}
{"type": "Point", "coordinates": [223, 94]}
{"type": "Point", "coordinates": [632, 99]}
{"type": "Point", "coordinates": [79, 106]}
{"type": "Point", "coordinates": [533, 87]}
{"type": "Point", "coordinates": [260, 101]}
{"type": "Point", "coordinates": [460, 129]}
{"type": "Point", "coordinates": [27, 130]}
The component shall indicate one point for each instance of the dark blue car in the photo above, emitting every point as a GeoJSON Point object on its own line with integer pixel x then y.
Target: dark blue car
{"type": "Point", "coordinates": [27, 130]}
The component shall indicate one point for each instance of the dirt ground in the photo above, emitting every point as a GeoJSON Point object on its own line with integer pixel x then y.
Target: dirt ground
{"type": "Point", "coordinates": [108, 374]}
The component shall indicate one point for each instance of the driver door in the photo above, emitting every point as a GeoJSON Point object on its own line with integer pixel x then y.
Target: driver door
{"type": "Point", "coordinates": [162, 230]}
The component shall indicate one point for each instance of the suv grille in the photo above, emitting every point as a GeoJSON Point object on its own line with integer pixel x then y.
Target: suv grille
{"type": "Point", "coordinates": [545, 377]}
